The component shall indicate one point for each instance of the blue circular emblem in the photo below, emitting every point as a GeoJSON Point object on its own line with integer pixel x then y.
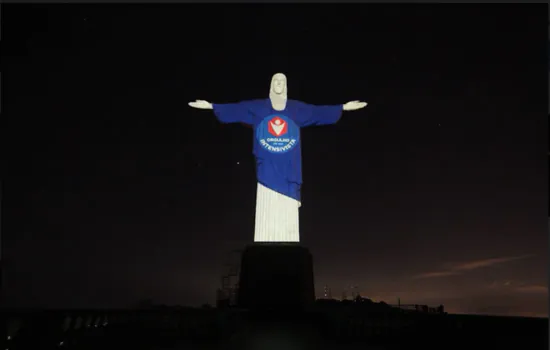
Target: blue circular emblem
{"type": "Point", "coordinates": [278, 133]}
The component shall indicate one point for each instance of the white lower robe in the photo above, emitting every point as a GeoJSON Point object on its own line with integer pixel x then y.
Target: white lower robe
{"type": "Point", "coordinates": [276, 217]}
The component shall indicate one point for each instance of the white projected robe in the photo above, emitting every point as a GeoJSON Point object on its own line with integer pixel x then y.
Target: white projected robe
{"type": "Point", "coordinates": [276, 217]}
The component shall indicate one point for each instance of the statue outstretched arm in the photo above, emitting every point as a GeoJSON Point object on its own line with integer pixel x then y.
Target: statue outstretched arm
{"type": "Point", "coordinates": [228, 112]}
{"type": "Point", "coordinates": [324, 115]}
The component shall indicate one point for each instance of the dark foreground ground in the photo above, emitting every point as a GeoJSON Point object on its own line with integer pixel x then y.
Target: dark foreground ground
{"type": "Point", "coordinates": [231, 329]}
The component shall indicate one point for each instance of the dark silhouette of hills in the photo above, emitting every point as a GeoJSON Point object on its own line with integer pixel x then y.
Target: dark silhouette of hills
{"type": "Point", "coordinates": [264, 318]}
{"type": "Point", "coordinates": [327, 325]}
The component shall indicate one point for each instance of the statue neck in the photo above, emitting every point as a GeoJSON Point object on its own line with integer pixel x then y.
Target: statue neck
{"type": "Point", "coordinates": [278, 102]}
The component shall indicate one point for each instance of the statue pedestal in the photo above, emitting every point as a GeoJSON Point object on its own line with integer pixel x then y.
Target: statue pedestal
{"type": "Point", "coordinates": [276, 276]}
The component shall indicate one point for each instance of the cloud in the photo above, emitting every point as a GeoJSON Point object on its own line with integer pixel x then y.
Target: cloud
{"type": "Point", "coordinates": [458, 269]}
{"type": "Point", "coordinates": [533, 288]}
{"type": "Point", "coordinates": [476, 264]}
{"type": "Point", "coordinates": [519, 287]}
{"type": "Point", "coordinates": [436, 274]}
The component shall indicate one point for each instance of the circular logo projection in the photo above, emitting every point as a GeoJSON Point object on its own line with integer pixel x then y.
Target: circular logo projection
{"type": "Point", "coordinates": [278, 134]}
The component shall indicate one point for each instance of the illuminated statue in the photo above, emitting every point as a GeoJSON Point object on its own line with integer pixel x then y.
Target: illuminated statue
{"type": "Point", "coordinates": [277, 122]}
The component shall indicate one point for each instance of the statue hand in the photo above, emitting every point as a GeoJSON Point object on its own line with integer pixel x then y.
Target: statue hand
{"type": "Point", "coordinates": [201, 104]}
{"type": "Point", "coordinates": [354, 105]}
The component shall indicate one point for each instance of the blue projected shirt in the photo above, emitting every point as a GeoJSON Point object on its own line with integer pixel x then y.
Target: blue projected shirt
{"type": "Point", "coordinates": [277, 137]}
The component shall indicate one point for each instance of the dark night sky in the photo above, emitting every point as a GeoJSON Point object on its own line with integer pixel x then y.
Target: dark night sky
{"type": "Point", "coordinates": [117, 191]}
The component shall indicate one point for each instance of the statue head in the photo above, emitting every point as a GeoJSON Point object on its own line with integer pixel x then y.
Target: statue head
{"type": "Point", "coordinates": [277, 91]}
{"type": "Point", "coordinates": [278, 85]}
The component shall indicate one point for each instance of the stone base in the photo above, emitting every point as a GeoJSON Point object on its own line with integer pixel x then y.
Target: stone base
{"type": "Point", "coordinates": [276, 276]}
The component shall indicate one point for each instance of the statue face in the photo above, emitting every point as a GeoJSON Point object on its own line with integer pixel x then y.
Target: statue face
{"type": "Point", "coordinates": [278, 83]}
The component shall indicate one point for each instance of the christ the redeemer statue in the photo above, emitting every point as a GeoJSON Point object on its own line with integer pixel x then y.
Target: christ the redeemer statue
{"type": "Point", "coordinates": [277, 122]}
